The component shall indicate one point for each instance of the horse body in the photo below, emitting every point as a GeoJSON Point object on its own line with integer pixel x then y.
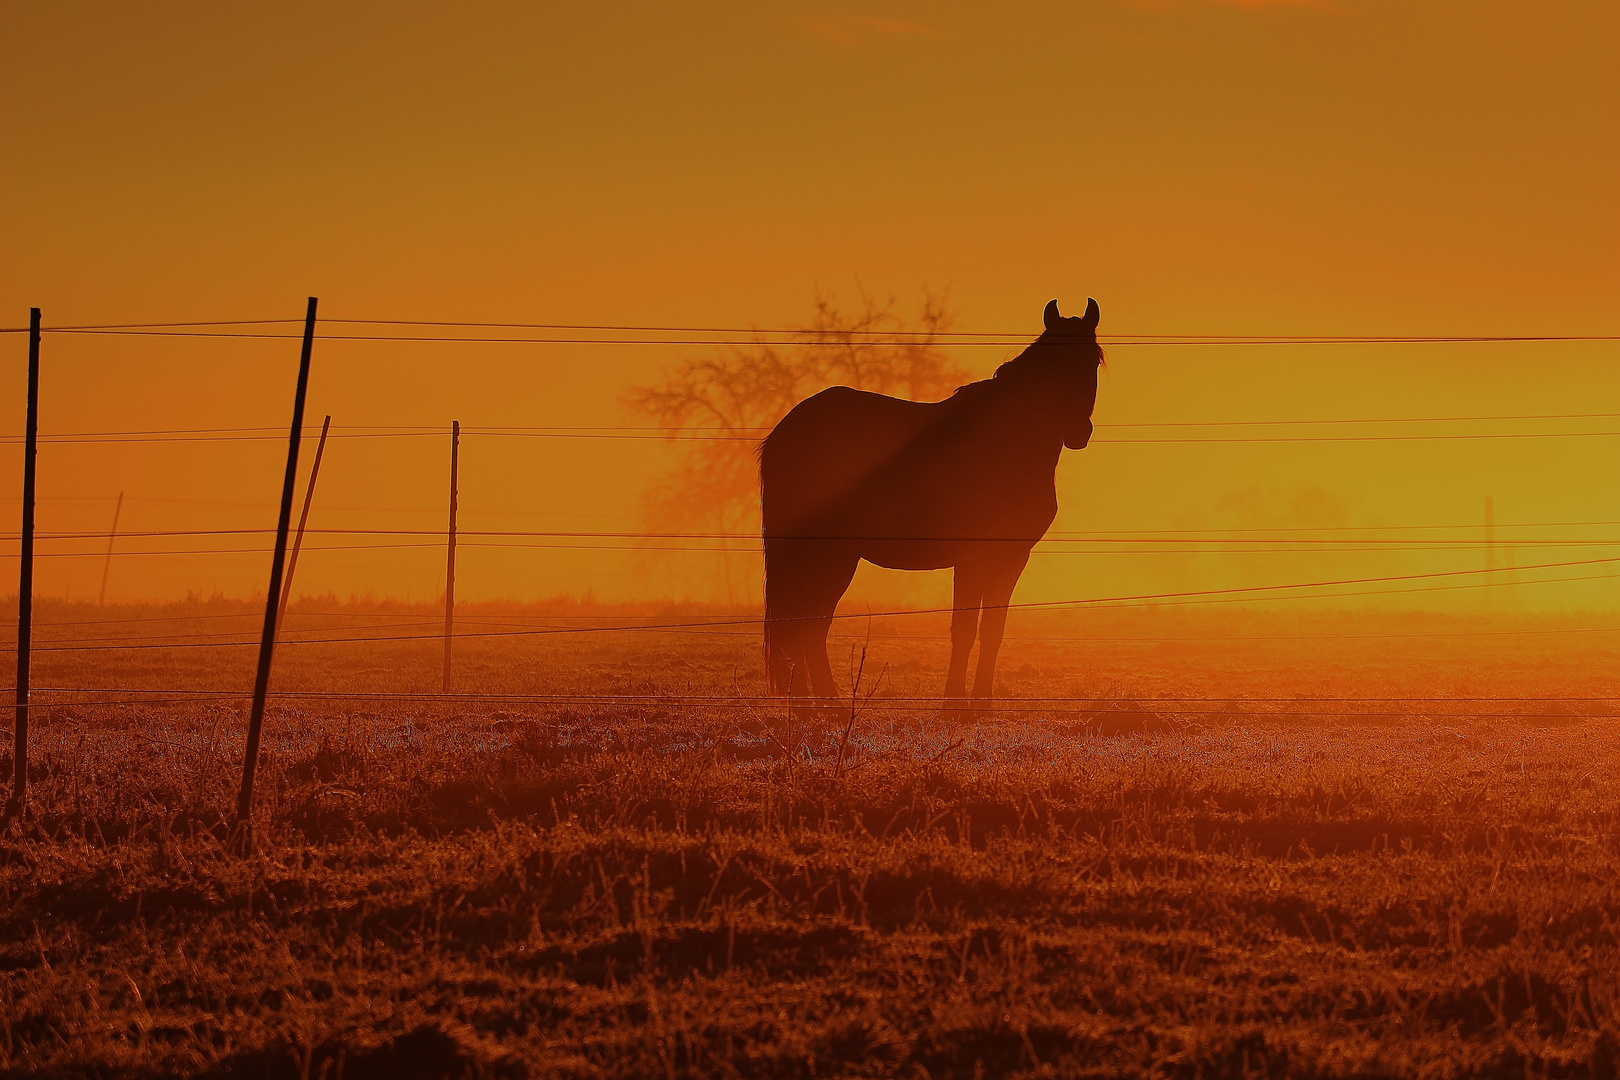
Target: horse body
{"type": "Point", "coordinates": [967, 482]}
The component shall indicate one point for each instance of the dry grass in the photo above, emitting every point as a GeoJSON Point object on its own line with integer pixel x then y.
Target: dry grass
{"type": "Point", "coordinates": [1268, 877]}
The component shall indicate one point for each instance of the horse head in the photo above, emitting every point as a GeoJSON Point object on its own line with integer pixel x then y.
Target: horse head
{"type": "Point", "coordinates": [1072, 341]}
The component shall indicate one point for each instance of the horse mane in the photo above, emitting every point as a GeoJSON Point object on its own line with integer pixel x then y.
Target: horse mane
{"type": "Point", "coordinates": [1038, 350]}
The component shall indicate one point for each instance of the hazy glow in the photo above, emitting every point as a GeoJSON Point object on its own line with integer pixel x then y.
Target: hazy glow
{"type": "Point", "coordinates": [1201, 167]}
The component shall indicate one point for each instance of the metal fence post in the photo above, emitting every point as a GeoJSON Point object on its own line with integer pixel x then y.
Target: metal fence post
{"type": "Point", "coordinates": [25, 584]}
{"type": "Point", "coordinates": [267, 640]}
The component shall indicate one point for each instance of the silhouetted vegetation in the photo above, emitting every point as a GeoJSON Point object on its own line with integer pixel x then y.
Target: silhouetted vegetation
{"type": "Point", "coordinates": [741, 393]}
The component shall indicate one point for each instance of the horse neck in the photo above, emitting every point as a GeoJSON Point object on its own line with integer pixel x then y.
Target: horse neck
{"type": "Point", "coordinates": [1017, 410]}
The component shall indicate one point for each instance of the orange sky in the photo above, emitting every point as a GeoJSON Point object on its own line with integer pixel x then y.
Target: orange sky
{"type": "Point", "coordinates": [1198, 166]}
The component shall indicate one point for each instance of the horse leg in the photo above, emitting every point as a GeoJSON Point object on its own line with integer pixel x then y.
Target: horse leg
{"type": "Point", "coordinates": [998, 590]}
{"type": "Point", "coordinates": [807, 579]}
{"type": "Point", "coordinates": [820, 668]}
{"type": "Point", "coordinates": [788, 663]}
{"type": "Point", "coordinates": [791, 663]}
{"type": "Point", "coordinates": [831, 581]}
{"type": "Point", "coordinates": [967, 585]}
{"type": "Point", "coordinates": [804, 581]}
{"type": "Point", "coordinates": [780, 665]}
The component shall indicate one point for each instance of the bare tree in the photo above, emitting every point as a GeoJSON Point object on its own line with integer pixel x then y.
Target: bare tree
{"type": "Point", "coordinates": [720, 406]}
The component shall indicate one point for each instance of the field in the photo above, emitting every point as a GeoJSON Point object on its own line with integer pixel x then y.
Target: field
{"type": "Point", "coordinates": [1188, 843]}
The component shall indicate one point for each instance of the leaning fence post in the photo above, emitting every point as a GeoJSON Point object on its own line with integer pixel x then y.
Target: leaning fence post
{"type": "Point", "coordinates": [303, 519]}
{"type": "Point", "coordinates": [450, 567]}
{"type": "Point", "coordinates": [112, 536]}
{"type": "Point", "coordinates": [25, 584]}
{"type": "Point", "coordinates": [267, 640]}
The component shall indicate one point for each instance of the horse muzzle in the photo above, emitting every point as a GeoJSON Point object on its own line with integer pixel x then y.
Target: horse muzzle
{"type": "Point", "coordinates": [1077, 440]}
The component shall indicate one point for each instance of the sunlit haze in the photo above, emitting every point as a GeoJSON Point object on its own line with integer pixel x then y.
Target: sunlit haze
{"type": "Point", "coordinates": [994, 540]}
{"type": "Point", "coordinates": [1200, 167]}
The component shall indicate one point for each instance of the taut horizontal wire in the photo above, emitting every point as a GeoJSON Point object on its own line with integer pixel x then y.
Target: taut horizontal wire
{"type": "Point", "coordinates": [839, 335]}
{"type": "Point", "coordinates": [753, 635]}
{"type": "Point", "coordinates": [1153, 699]}
{"type": "Point", "coordinates": [1111, 341]}
{"type": "Point", "coordinates": [1095, 442]}
{"type": "Point", "coordinates": [1144, 536]}
{"type": "Point", "coordinates": [1232, 594]}
{"type": "Point", "coordinates": [1596, 707]}
{"type": "Point", "coordinates": [1204, 535]}
{"type": "Point", "coordinates": [711, 550]}
{"type": "Point", "coordinates": [391, 430]}
{"type": "Point", "coordinates": [468, 617]}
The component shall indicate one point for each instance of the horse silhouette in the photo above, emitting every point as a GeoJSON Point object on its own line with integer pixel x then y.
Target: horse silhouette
{"type": "Point", "coordinates": [968, 482]}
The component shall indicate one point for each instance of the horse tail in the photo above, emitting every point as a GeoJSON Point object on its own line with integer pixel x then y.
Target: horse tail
{"type": "Point", "coordinates": [772, 603]}
{"type": "Point", "coordinates": [774, 645]}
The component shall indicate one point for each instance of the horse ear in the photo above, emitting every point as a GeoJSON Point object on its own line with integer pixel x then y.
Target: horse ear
{"type": "Point", "coordinates": [1092, 315]}
{"type": "Point", "coordinates": [1053, 319]}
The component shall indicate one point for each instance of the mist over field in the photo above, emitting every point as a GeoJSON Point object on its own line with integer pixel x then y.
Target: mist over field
{"type": "Point", "coordinates": [1188, 842]}
{"type": "Point", "coordinates": [923, 540]}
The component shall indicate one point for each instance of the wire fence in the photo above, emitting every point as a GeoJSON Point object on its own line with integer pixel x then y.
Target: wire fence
{"type": "Point", "coordinates": [1251, 708]}
{"type": "Point", "coordinates": [1238, 594]}
{"type": "Point", "coordinates": [1222, 542]}
{"type": "Point", "coordinates": [702, 433]}
{"type": "Point", "coordinates": [749, 336]}
{"type": "Point", "coordinates": [1259, 541]}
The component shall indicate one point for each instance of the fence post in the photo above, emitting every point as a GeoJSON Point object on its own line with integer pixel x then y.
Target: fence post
{"type": "Point", "coordinates": [267, 639]}
{"type": "Point", "coordinates": [303, 518]}
{"type": "Point", "coordinates": [450, 567]}
{"type": "Point", "coordinates": [25, 584]}
{"type": "Point", "coordinates": [112, 535]}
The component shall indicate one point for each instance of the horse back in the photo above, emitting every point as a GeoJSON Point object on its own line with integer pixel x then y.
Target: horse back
{"type": "Point", "coordinates": [853, 463]}
{"type": "Point", "coordinates": [828, 446]}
